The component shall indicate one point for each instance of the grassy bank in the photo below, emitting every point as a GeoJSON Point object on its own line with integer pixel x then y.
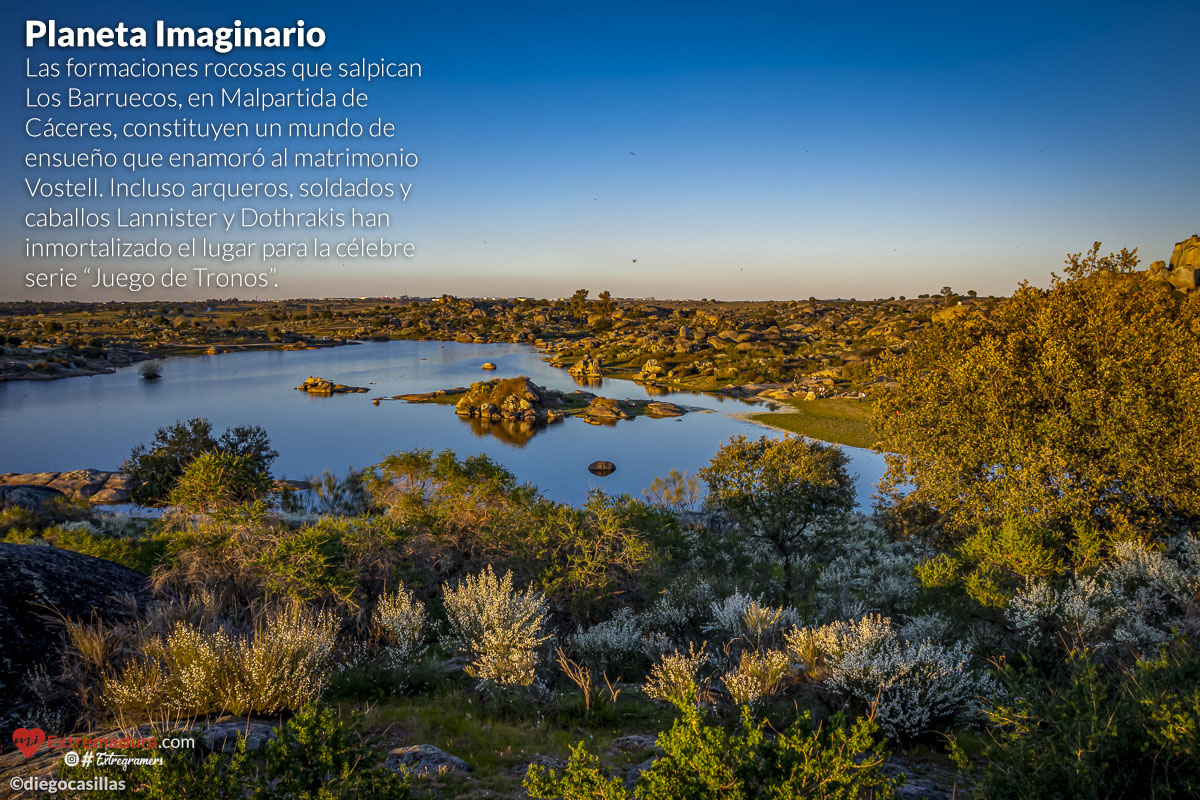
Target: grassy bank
{"type": "Point", "coordinates": [845, 422]}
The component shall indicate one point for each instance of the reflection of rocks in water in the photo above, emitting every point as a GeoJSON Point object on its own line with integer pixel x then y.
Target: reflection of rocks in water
{"type": "Point", "coordinates": [655, 389]}
{"type": "Point", "coordinates": [514, 432]}
{"type": "Point", "coordinates": [584, 380]}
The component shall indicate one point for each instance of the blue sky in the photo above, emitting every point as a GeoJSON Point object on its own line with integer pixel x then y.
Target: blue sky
{"type": "Point", "coordinates": [782, 149]}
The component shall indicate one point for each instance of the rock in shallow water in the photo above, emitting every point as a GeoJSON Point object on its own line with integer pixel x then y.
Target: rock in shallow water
{"type": "Point", "coordinates": [602, 468]}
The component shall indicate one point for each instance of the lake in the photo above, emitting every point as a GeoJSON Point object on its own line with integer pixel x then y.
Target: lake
{"type": "Point", "coordinates": [94, 421]}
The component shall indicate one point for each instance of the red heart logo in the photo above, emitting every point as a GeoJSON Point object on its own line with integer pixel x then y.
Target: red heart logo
{"type": "Point", "coordinates": [28, 740]}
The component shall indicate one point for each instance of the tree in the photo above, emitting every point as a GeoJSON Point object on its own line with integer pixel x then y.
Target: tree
{"type": "Point", "coordinates": [578, 303]}
{"type": "Point", "coordinates": [153, 471]}
{"type": "Point", "coordinates": [782, 492]}
{"type": "Point", "coordinates": [605, 306]}
{"type": "Point", "coordinates": [1074, 408]}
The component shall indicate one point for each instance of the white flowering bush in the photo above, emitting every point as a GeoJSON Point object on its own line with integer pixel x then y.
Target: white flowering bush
{"type": "Point", "coordinates": [498, 628]}
{"type": "Point", "coordinates": [677, 619]}
{"type": "Point", "coordinates": [674, 678]}
{"type": "Point", "coordinates": [933, 627]}
{"type": "Point", "coordinates": [752, 623]}
{"type": "Point", "coordinates": [870, 574]}
{"type": "Point", "coordinates": [614, 645]}
{"type": "Point", "coordinates": [403, 620]}
{"type": "Point", "coordinates": [914, 686]}
{"type": "Point", "coordinates": [287, 663]}
{"type": "Point", "coordinates": [1138, 600]}
{"type": "Point", "coordinates": [283, 664]}
{"type": "Point", "coordinates": [758, 675]}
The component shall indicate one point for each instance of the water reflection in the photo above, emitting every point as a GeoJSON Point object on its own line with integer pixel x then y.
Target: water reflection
{"type": "Point", "coordinates": [94, 421]}
{"type": "Point", "coordinates": [513, 432]}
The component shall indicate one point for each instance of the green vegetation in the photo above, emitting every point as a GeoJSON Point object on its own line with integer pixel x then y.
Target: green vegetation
{"type": "Point", "coordinates": [1021, 624]}
{"type": "Point", "coordinates": [839, 421]}
{"type": "Point", "coordinates": [1090, 731]}
{"type": "Point", "coordinates": [1068, 422]}
{"type": "Point", "coordinates": [154, 471]}
{"type": "Point", "coordinates": [316, 755]}
{"type": "Point", "coordinates": [217, 480]}
{"type": "Point", "coordinates": [707, 762]}
{"type": "Point", "coordinates": [783, 492]}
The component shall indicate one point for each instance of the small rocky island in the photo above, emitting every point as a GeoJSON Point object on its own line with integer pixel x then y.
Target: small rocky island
{"type": "Point", "coordinates": [521, 401]}
{"type": "Point", "coordinates": [322, 386]}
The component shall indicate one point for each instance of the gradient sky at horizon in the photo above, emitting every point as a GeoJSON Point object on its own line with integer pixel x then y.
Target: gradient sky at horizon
{"type": "Point", "coordinates": [782, 149]}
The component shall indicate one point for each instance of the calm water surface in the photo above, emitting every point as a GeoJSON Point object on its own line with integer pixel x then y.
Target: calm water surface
{"type": "Point", "coordinates": [94, 421]}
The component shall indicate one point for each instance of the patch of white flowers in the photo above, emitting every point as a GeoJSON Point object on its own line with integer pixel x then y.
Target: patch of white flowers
{"type": "Point", "coordinates": [675, 618]}
{"type": "Point", "coordinates": [758, 675]}
{"type": "Point", "coordinates": [673, 678]}
{"type": "Point", "coordinates": [403, 621]}
{"type": "Point", "coordinates": [613, 645]}
{"type": "Point", "coordinates": [871, 573]}
{"type": "Point", "coordinates": [498, 628]}
{"type": "Point", "coordinates": [1136, 601]}
{"type": "Point", "coordinates": [743, 617]}
{"type": "Point", "coordinates": [913, 685]}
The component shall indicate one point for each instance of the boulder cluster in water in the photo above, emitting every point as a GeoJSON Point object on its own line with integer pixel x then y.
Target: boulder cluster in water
{"type": "Point", "coordinates": [323, 386]}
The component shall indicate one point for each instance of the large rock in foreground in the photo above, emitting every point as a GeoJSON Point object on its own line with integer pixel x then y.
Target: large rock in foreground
{"type": "Point", "coordinates": [30, 497]}
{"type": "Point", "coordinates": [38, 578]}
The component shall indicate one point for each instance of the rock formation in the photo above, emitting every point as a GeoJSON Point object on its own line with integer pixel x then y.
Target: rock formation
{"type": "Point", "coordinates": [587, 367]}
{"type": "Point", "coordinates": [513, 399]}
{"type": "Point", "coordinates": [37, 579]}
{"type": "Point", "coordinates": [96, 486]}
{"type": "Point", "coordinates": [322, 386]}
{"type": "Point", "coordinates": [1183, 271]}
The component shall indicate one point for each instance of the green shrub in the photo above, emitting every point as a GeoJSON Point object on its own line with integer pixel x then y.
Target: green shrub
{"type": "Point", "coordinates": [580, 558]}
{"type": "Point", "coordinates": [340, 561]}
{"type": "Point", "coordinates": [783, 492]}
{"type": "Point", "coordinates": [314, 756]}
{"type": "Point", "coordinates": [317, 756]}
{"type": "Point", "coordinates": [153, 471]}
{"type": "Point", "coordinates": [704, 761]}
{"type": "Point", "coordinates": [215, 482]}
{"type": "Point", "coordinates": [1095, 731]}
